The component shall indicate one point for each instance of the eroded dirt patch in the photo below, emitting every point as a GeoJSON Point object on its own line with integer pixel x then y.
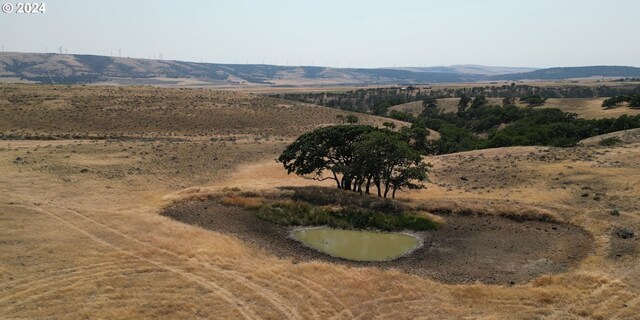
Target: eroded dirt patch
{"type": "Point", "coordinates": [469, 248]}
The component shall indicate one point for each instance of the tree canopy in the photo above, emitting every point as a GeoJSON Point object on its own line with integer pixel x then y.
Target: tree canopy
{"type": "Point", "coordinates": [357, 157]}
{"type": "Point", "coordinates": [633, 100]}
{"type": "Point", "coordinates": [533, 100]}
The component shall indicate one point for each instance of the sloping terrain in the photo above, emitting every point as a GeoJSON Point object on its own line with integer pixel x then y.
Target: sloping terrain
{"type": "Point", "coordinates": [73, 69]}
{"type": "Point", "coordinates": [472, 69]}
{"type": "Point", "coordinates": [588, 108]}
{"type": "Point", "coordinates": [81, 235]}
{"type": "Point", "coordinates": [56, 112]}
{"type": "Point", "coordinates": [572, 72]}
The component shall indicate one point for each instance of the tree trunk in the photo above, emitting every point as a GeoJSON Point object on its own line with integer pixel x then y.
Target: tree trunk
{"type": "Point", "coordinates": [386, 189]}
{"type": "Point", "coordinates": [337, 180]}
{"type": "Point", "coordinates": [346, 183]}
{"type": "Point", "coordinates": [366, 190]}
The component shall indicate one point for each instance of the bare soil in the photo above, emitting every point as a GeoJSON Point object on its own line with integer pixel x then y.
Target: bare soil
{"type": "Point", "coordinates": [468, 248]}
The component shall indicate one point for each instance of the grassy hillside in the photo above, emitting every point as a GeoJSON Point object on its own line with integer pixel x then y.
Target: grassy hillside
{"type": "Point", "coordinates": [572, 72]}
{"type": "Point", "coordinates": [52, 112]}
{"type": "Point", "coordinates": [82, 235]}
{"type": "Point", "coordinates": [54, 68]}
{"type": "Point", "coordinates": [72, 69]}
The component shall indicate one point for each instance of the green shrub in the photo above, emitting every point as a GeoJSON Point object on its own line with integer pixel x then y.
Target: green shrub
{"type": "Point", "coordinates": [321, 196]}
{"type": "Point", "coordinates": [297, 213]}
{"type": "Point", "coordinates": [609, 142]}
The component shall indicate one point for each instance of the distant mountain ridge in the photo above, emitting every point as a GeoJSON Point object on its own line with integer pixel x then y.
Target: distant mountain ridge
{"type": "Point", "coordinates": [571, 72]}
{"type": "Point", "coordinates": [472, 69]}
{"type": "Point", "coordinates": [77, 68]}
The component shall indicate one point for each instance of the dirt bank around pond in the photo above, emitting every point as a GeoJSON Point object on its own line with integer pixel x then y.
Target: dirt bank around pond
{"type": "Point", "coordinates": [468, 248]}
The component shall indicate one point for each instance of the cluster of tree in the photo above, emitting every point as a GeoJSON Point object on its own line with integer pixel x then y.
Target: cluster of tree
{"type": "Point", "coordinates": [482, 125]}
{"type": "Point", "coordinates": [350, 118]}
{"type": "Point", "coordinates": [533, 100]}
{"type": "Point", "coordinates": [375, 101]}
{"type": "Point", "coordinates": [358, 158]}
{"type": "Point", "coordinates": [378, 100]}
{"type": "Point", "coordinates": [633, 100]}
{"type": "Point", "coordinates": [626, 80]}
{"type": "Point", "coordinates": [518, 90]}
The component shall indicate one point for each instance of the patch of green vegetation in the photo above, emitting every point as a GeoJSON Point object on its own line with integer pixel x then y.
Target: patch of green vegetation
{"type": "Point", "coordinates": [533, 100]}
{"type": "Point", "coordinates": [610, 142]}
{"type": "Point", "coordinates": [323, 196]}
{"type": "Point", "coordinates": [378, 100]}
{"type": "Point", "coordinates": [297, 213]}
{"type": "Point", "coordinates": [490, 126]}
{"type": "Point", "coordinates": [633, 100]}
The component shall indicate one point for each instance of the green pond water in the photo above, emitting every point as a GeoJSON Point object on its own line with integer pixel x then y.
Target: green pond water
{"type": "Point", "coordinates": [357, 245]}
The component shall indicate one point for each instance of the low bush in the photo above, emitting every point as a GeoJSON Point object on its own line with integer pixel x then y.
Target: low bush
{"type": "Point", "coordinates": [320, 196]}
{"type": "Point", "coordinates": [610, 142]}
{"type": "Point", "coordinates": [298, 213]}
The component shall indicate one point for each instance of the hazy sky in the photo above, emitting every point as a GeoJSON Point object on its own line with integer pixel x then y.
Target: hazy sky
{"type": "Point", "coordinates": [536, 33]}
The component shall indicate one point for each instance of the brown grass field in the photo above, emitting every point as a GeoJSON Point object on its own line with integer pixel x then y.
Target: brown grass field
{"type": "Point", "coordinates": [319, 87]}
{"type": "Point", "coordinates": [81, 236]}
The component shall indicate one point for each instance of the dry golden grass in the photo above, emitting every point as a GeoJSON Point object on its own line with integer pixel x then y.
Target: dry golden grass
{"type": "Point", "coordinates": [435, 218]}
{"type": "Point", "coordinates": [97, 244]}
{"type": "Point", "coordinates": [244, 202]}
{"type": "Point", "coordinates": [79, 244]}
{"type": "Point", "coordinates": [589, 108]}
{"type": "Point", "coordinates": [70, 112]}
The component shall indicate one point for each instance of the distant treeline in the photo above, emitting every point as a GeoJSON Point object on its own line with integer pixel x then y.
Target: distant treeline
{"type": "Point", "coordinates": [378, 100]}
{"type": "Point", "coordinates": [479, 125]}
{"type": "Point", "coordinates": [632, 99]}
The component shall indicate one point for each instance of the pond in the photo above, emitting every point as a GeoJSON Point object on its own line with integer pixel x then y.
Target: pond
{"type": "Point", "coordinates": [357, 245]}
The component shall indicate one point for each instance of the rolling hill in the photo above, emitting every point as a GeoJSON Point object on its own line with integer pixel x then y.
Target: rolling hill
{"type": "Point", "coordinates": [472, 69]}
{"type": "Point", "coordinates": [572, 72]}
{"type": "Point", "coordinates": [50, 112]}
{"type": "Point", "coordinates": [53, 68]}
{"type": "Point", "coordinates": [72, 69]}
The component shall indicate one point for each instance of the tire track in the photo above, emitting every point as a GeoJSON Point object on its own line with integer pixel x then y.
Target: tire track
{"type": "Point", "coordinates": [349, 310]}
{"type": "Point", "coordinates": [45, 290]}
{"type": "Point", "coordinates": [272, 297]}
{"type": "Point", "coordinates": [26, 282]}
{"type": "Point", "coordinates": [329, 294]}
{"type": "Point", "coordinates": [223, 293]}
